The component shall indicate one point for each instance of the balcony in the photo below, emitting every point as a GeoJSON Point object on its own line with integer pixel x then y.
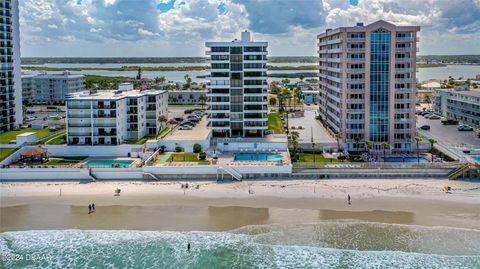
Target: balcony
{"type": "Point", "coordinates": [75, 116]}
{"type": "Point", "coordinates": [355, 60]}
{"type": "Point", "coordinates": [403, 60]}
{"type": "Point", "coordinates": [355, 50]}
{"type": "Point", "coordinates": [75, 124]}
{"type": "Point", "coordinates": [218, 125]}
{"type": "Point", "coordinates": [355, 39]}
{"type": "Point", "coordinates": [356, 70]}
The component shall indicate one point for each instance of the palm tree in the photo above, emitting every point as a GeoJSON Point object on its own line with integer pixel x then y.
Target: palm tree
{"type": "Point", "coordinates": [139, 74]}
{"type": "Point", "coordinates": [369, 145]}
{"type": "Point", "coordinates": [203, 99]}
{"type": "Point", "coordinates": [301, 77]}
{"type": "Point", "coordinates": [385, 146]}
{"type": "Point", "coordinates": [313, 144]}
{"type": "Point", "coordinates": [162, 119]}
{"type": "Point", "coordinates": [418, 139]}
{"type": "Point", "coordinates": [338, 136]}
{"type": "Point", "coordinates": [294, 143]}
{"type": "Point", "coordinates": [357, 141]}
{"type": "Point", "coordinates": [432, 142]}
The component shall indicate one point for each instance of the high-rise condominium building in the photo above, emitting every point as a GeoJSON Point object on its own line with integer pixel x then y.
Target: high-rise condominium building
{"type": "Point", "coordinates": [11, 114]}
{"type": "Point", "coordinates": [237, 92]}
{"type": "Point", "coordinates": [113, 117]}
{"type": "Point", "coordinates": [367, 85]}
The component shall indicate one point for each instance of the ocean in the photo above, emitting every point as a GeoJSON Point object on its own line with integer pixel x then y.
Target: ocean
{"type": "Point", "coordinates": [329, 244]}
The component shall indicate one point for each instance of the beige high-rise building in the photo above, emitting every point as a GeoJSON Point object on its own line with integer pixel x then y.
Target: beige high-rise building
{"type": "Point", "coordinates": [367, 85]}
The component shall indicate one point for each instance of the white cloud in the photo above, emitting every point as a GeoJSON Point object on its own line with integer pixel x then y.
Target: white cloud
{"type": "Point", "coordinates": [290, 26]}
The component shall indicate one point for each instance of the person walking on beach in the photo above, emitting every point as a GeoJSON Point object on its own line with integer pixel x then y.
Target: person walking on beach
{"type": "Point", "coordinates": [348, 197]}
{"type": "Point", "coordinates": [93, 207]}
{"type": "Point", "coordinates": [89, 208]}
{"type": "Point", "coordinates": [188, 247]}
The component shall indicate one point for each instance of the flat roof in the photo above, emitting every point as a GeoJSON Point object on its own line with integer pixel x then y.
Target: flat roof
{"type": "Point", "coordinates": [112, 94]}
{"type": "Point", "coordinates": [199, 132]}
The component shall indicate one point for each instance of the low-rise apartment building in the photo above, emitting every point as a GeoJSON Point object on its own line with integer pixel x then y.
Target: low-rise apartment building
{"type": "Point", "coordinates": [310, 97]}
{"type": "Point", "coordinates": [115, 117]}
{"type": "Point", "coordinates": [187, 97]}
{"type": "Point", "coordinates": [461, 103]}
{"type": "Point", "coordinates": [51, 88]}
{"type": "Point", "coordinates": [27, 88]}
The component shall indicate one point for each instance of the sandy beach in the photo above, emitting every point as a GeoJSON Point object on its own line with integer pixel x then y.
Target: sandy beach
{"type": "Point", "coordinates": [227, 206]}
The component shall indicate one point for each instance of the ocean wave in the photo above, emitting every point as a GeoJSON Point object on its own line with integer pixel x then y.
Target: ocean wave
{"type": "Point", "coordinates": [269, 246]}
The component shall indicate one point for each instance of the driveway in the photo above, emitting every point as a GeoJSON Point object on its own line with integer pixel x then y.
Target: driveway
{"type": "Point", "coordinates": [309, 124]}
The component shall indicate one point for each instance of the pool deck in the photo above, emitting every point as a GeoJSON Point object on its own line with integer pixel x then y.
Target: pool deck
{"type": "Point", "coordinates": [229, 159]}
{"type": "Point", "coordinates": [136, 161]}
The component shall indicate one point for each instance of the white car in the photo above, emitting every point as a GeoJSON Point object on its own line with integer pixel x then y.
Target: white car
{"type": "Point", "coordinates": [186, 127]}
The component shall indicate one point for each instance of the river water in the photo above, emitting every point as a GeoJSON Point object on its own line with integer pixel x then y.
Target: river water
{"type": "Point", "coordinates": [456, 71]}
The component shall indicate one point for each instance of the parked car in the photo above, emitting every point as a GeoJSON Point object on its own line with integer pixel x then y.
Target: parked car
{"type": "Point", "coordinates": [434, 117]}
{"type": "Point", "coordinates": [425, 127]}
{"type": "Point", "coordinates": [178, 118]}
{"type": "Point", "coordinates": [424, 113]}
{"type": "Point", "coordinates": [449, 122]}
{"type": "Point", "coordinates": [186, 127]}
{"type": "Point", "coordinates": [30, 111]}
{"type": "Point", "coordinates": [464, 128]}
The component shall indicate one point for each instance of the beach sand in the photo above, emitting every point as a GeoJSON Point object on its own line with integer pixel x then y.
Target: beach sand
{"type": "Point", "coordinates": [227, 206]}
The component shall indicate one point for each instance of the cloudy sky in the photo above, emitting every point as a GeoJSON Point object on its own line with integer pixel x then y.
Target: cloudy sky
{"type": "Point", "coordinates": [169, 28]}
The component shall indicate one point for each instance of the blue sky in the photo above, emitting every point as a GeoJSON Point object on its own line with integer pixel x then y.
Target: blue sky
{"type": "Point", "coordinates": [170, 28]}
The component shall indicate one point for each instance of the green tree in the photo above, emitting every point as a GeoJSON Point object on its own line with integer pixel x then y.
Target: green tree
{"type": "Point", "coordinates": [188, 82]}
{"type": "Point", "coordinates": [338, 136]}
{"type": "Point", "coordinates": [385, 147]}
{"type": "Point", "coordinates": [432, 143]}
{"type": "Point", "coordinates": [197, 148]}
{"type": "Point", "coordinates": [418, 139]}
{"type": "Point", "coordinates": [202, 99]}
{"type": "Point", "coordinates": [301, 77]}
{"type": "Point", "coordinates": [160, 80]}
{"type": "Point", "coordinates": [162, 119]}
{"type": "Point", "coordinates": [369, 145]}
{"type": "Point", "coordinates": [272, 101]}
{"type": "Point", "coordinates": [139, 74]}
{"type": "Point", "coordinates": [294, 136]}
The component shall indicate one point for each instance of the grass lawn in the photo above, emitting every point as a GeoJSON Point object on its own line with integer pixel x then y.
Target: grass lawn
{"type": "Point", "coordinates": [60, 139]}
{"type": "Point", "coordinates": [185, 157]}
{"type": "Point", "coordinates": [65, 160]}
{"type": "Point", "coordinates": [163, 132]}
{"type": "Point", "coordinates": [275, 123]}
{"type": "Point", "coordinates": [139, 142]}
{"type": "Point", "coordinates": [319, 158]}
{"type": "Point", "coordinates": [5, 138]}
{"type": "Point", "coordinates": [4, 153]}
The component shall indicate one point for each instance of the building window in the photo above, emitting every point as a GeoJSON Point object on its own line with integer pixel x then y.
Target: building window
{"type": "Point", "coordinates": [379, 85]}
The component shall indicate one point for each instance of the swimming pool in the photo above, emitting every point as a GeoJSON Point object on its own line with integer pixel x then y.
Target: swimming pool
{"type": "Point", "coordinates": [476, 158]}
{"type": "Point", "coordinates": [405, 160]}
{"type": "Point", "coordinates": [108, 163]}
{"type": "Point", "coordinates": [258, 157]}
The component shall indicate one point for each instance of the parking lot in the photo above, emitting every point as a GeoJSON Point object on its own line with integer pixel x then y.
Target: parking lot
{"type": "Point", "coordinates": [310, 125]}
{"type": "Point", "coordinates": [42, 115]}
{"type": "Point", "coordinates": [448, 134]}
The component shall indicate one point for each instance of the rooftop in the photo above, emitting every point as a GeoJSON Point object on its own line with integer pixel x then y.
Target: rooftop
{"type": "Point", "coordinates": [112, 94]}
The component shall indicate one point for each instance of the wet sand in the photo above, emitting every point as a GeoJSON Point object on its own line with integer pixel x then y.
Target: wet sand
{"type": "Point", "coordinates": [220, 207]}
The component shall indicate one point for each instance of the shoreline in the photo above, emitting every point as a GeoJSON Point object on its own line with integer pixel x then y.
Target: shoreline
{"type": "Point", "coordinates": [229, 206]}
